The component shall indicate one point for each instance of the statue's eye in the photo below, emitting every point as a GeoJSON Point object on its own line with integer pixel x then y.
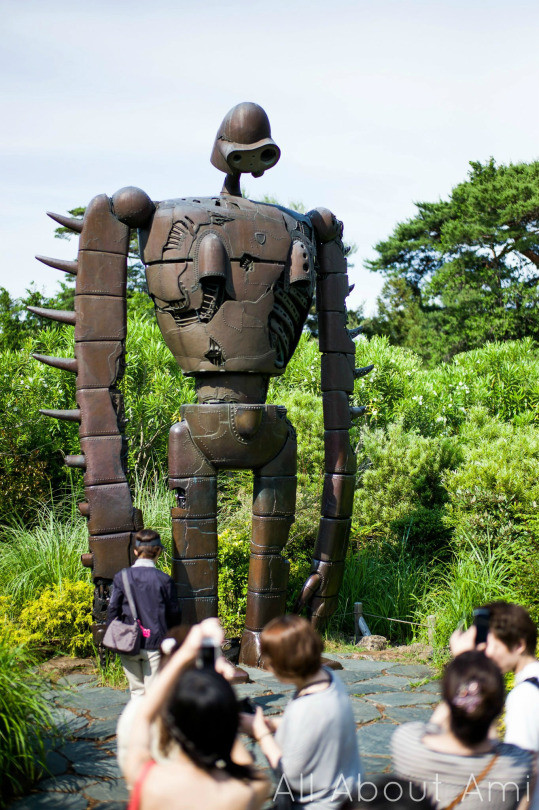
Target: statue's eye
{"type": "Point", "coordinates": [267, 155]}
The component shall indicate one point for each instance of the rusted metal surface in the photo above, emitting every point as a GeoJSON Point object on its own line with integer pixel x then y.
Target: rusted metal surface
{"type": "Point", "coordinates": [232, 282]}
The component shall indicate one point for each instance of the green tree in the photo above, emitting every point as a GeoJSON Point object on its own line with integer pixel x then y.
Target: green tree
{"type": "Point", "coordinates": [464, 271]}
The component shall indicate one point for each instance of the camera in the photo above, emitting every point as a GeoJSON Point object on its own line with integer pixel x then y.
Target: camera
{"type": "Point", "coordinates": [481, 619]}
{"type": "Point", "coordinates": [247, 706]}
{"type": "Point", "coordinates": [207, 654]}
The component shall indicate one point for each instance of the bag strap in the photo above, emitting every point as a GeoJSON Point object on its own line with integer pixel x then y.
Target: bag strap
{"type": "Point", "coordinates": [476, 782]}
{"type": "Point", "coordinates": [129, 594]}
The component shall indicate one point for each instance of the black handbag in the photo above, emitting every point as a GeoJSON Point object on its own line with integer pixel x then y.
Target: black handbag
{"type": "Point", "coordinates": [119, 636]}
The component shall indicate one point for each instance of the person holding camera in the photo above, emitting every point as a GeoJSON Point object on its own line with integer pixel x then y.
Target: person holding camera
{"type": "Point", "coordinates": [458, 763]}
{"type": "Point", "coordinates": [313, 747]}
{"type": "Point", "coordinates": [509, 638]}
{"type": "Point", "coordinates": [154, 598]}
{"type": "Point", "coordinates": [206, 765]}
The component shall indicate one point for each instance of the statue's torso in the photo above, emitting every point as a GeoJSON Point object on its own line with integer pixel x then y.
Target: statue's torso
{"type": "Point", "coordinates": [232, 282]}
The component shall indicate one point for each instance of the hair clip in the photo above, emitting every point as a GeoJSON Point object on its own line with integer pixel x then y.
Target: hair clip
{"type": "Point", "coordinates": [468, 697]}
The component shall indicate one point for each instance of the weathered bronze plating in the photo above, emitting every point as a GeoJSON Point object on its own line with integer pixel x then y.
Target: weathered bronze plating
{"type": "Point", "coordinates": [232, 282]}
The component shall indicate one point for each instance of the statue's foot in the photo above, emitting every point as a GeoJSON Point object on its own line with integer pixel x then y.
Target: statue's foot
{"type": "Point", "coordinates": [250, 654]}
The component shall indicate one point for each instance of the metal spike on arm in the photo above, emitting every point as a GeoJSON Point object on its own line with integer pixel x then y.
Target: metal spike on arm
{"type": "Point", "coordinates": [59, 264]}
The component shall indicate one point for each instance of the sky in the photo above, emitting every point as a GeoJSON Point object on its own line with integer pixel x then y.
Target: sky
{"type": "Point", "coordinates": [375, 104]}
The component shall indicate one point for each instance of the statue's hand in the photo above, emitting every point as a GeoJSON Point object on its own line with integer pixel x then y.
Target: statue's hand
{"type": "Point", "coordinates": [308, 591]}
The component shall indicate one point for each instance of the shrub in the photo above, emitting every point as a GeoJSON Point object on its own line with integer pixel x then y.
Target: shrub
{"type": "Point", "coordinates": [400, 490]}
{"type": "Point", "coordinates": [494, 493]}
{"type": "Point", "coordinates": [60, 617]}
{"type": "Point", "coordinates": [233, 560]}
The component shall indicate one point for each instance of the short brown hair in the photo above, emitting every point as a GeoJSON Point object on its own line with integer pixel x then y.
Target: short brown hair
{"type": "Point", "coordinates": [512, 625]}
{"type": "Point", "coordinates": [292, 647]}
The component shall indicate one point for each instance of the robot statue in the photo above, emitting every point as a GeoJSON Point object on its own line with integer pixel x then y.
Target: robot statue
{"type": "Point", "coordinates": [232, 282]}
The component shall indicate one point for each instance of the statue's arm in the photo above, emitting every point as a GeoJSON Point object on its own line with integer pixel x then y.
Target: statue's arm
{"type": "Point", "coordinates": [100, 321]}
{"type": "Point", "coordinates": [321, 590]}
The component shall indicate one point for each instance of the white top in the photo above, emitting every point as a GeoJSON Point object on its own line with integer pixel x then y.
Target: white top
{"type": "Point", "coordinates": [522, 710]}
{"type": "Point", "coordinates": [320, 760]}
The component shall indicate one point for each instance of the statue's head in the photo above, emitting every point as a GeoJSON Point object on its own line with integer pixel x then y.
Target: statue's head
{"type": "Point", "coordinates": [243, 143]}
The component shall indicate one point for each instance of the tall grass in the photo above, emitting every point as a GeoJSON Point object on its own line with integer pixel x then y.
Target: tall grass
{"type": "Point", "coordinates": [390, 582]}
{"type": "Point", "coordinates": [46, 554]}
{"type": "Point", "coordinates": [476, 575]}
{"type": "Point", "coordinates": [25, 719]}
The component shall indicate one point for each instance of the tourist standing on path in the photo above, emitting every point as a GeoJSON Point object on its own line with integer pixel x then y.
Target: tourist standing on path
{"type": "Point", "coordinates": [156, 603]}
{"type": "Point", "coordinates": [458, 763]}
{"type": "Point", "coordinates": [314, 749]}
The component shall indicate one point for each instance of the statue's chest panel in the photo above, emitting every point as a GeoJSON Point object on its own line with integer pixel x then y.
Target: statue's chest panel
{"type": "Point", "coordinates": [231, 281]}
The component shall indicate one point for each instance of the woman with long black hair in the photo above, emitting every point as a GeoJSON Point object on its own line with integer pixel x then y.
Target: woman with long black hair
{"type": "Point", "coordinates": [199, 713]}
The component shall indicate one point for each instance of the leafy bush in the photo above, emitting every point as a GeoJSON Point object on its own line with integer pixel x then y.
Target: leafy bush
{"type": "Point", "coordinates": [25, 716]}
{"type": "Point", "coordinates": [401, 492]}
{"type": "Point", "coordinates": [233, 559]}
{"type": "Point", "coordinates": [495, 492]}
{"type": "Point", "coordinates": [61, 618]}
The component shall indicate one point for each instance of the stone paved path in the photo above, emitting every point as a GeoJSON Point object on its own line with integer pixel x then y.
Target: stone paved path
{"type": "Point", "coordinates": [83, 770]}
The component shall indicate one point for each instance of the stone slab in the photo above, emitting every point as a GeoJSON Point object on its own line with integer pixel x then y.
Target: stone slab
{"type": "Point", "coordinates": [68, 783]}
{"type": "Point", "coordinates": [109, 806]}
{"type": "Point", "coordinates": [77, 679]}
{"type": "Point", "coordinates": [383, 684]}
{"type": "Point", "coordinates": [113, 790]}
{"type": "Point", "coordinates": [98, 767]}
{"type": "Point", "coordinates": [67, 722]}
{"type": "Point", "coordinates": [408, 714]}
{"type": "Point", "coordinates": [374, 765]}
{"type": "Point", "coordinates": [55, 763]}
{"type": "Point", "coordinates": [50, 801]}
{"type": "Point", "coordinates": [434, 687]}
{"type": "Point", "coordinates": [81, 751]}
{"type": "Point", "coordinates": [98, 730]}
{"type": "Point", "coordinates": [364, 665]}
{"type": "Point", "coordinates": [375, 738]}
{"type": "Point", "coordinates": [402, 698]}
{"type": "Point", "coordinates": [93, 698]}
{"type": "Point", "coordinates": [364, 712]}
{"type": "Point", "coordinates": [412, 671]}
{"type": "Point", "coordinates": [354, 676]}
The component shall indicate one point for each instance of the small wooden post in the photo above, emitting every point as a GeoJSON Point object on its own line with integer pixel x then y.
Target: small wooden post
{"type": "Point", "coordinates": [360, 625]}
{"type": "Point", "coordinates": [431, 627]}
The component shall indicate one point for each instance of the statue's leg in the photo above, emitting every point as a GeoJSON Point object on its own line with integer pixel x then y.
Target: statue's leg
{"type": "Point", "coordinates": [274, 501]}
{"type": "Point", "coordinates": [194, 526]}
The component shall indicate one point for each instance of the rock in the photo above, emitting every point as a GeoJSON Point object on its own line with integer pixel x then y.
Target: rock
{"type": "Point", "coordinates": [372, 643]}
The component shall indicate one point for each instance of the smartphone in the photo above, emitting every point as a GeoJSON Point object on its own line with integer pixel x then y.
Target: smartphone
{"type": "Point", "coordinates": [481, 619]}
{"type": "Point", "coordinates": [207, 654]}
